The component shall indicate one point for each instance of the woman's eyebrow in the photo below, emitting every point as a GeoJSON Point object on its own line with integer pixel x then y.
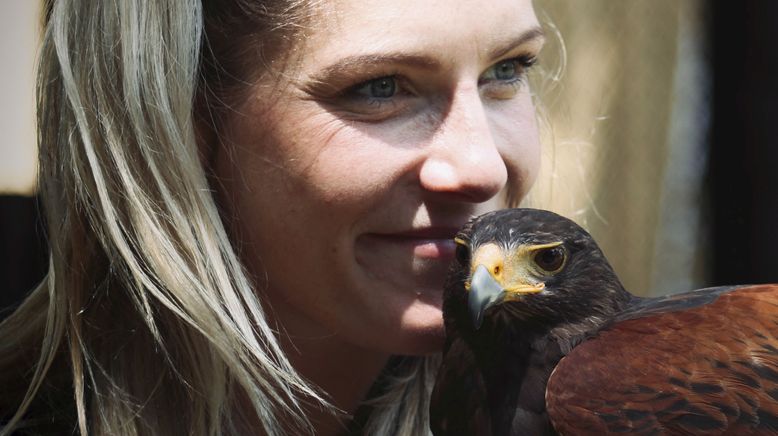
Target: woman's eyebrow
{"type": "Point", "coordinates": [536, 33]}
{"type": "Point", "coordinates": [360, 62]}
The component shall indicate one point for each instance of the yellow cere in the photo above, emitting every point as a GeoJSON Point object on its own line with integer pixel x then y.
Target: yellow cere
{"type": "Point", "coordinates": [514, 270]}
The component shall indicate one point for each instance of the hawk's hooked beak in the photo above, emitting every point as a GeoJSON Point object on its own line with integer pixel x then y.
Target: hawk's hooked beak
{"type": "Point", "coordinates": [484, 293]}
{"type": "Point", "coordinates": [500, 276]}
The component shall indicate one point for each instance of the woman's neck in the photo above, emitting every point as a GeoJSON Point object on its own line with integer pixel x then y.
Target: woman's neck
{"type": "Point", "coordinates": [342, 371]}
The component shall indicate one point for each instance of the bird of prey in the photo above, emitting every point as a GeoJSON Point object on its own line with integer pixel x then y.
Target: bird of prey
{"type": "Point", "coordinates": [543, 339]}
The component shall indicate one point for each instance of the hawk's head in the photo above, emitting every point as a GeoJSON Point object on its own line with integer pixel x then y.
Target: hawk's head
{"type": "Point", "coordinates": [532, 266]}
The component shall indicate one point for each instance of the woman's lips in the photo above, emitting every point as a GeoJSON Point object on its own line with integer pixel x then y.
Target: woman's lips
{"type": "Point", "coordinates": [425, 243]}
{"type": "Point", "coordinates": [415, 259]}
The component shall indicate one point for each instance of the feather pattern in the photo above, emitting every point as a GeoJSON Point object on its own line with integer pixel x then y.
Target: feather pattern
{"type": "Point", "coordinates": [676, 369]}
{"type": "Point", "coordinates": [584, 357]}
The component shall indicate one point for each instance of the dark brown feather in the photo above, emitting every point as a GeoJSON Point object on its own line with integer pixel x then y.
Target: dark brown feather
{"type": "Point", "coordinates": [589, 358]}
{"type": "Point", "coordinates": [460, 387]}
{"type": "Point", "coordinates": [666, 368]}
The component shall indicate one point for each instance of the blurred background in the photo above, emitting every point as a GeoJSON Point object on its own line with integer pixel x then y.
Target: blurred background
{"type": "Point", "coordinates": [661, 138]}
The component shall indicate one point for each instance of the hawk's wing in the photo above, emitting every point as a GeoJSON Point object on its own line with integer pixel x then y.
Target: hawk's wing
{"type": "Point", "coordinates": [705, 362]}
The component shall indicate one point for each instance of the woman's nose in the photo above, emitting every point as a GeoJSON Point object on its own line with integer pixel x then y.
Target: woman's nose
{"type": "Point", "coordinates": [464, 160]}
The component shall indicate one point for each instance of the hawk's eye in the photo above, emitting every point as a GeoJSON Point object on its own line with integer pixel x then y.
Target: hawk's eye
{"type": "Point", "coordinates": [550, 259]}
{"type": "Point", "coordinates": [462, 254]}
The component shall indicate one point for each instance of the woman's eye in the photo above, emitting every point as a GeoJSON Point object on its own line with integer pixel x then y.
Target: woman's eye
{"type": "Point", "coordinates": [503, 79]}
{"type": "Point", "coordinates": [509, 69]}
{"type": "Point", "coordinates": [505, 70]}
{"type": "Point", "coordinates": [380, 88]}
{"type": "Point", "coordinates": [375, 99]}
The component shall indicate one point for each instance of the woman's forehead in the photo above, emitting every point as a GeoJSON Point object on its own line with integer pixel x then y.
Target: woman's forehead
{"type": "Point", "coordinates": [443, 28]}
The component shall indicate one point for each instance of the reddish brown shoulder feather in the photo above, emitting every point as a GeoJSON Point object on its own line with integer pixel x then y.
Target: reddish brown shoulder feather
{"type": "Point", "coordinates": [711, 369]}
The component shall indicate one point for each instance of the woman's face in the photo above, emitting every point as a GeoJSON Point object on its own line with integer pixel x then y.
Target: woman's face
{"type": "Point", "coordinates": [344, 183]}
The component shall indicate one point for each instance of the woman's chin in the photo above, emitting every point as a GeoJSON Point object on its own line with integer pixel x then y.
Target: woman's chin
{"type": "Point", "coordinates": [421, 328]}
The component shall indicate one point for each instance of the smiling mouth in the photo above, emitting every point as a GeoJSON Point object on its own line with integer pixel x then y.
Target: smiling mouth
{"type": "Point", "coordinates": [426, 243]}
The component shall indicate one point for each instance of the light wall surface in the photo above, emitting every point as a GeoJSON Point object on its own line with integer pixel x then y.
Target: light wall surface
{"type": "Point", "coordinates": [626, 152]}
{"type": "Point", "coordinates": [19, 30]}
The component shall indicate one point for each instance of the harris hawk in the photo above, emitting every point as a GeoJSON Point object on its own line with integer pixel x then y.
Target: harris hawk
{"type": "Point", "coordinates": [543, 339]}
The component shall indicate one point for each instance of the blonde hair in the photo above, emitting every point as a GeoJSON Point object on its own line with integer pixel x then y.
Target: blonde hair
{"type": "Point", "coordinates": [146, 321]}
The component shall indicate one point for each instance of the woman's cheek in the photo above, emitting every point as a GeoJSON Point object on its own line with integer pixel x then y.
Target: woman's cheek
{"type": "Point", "coordinates": [516, 130]}
{"type": "Point", "coordinates": [351, 165]}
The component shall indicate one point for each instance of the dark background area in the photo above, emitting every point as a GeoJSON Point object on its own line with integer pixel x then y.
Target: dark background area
{"type": "Point", "coordinates": [742, 182]}
{"type": "Point", "coordinates": [22, 249]}
{"type": "Point", "coordinates": [741, 186]}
